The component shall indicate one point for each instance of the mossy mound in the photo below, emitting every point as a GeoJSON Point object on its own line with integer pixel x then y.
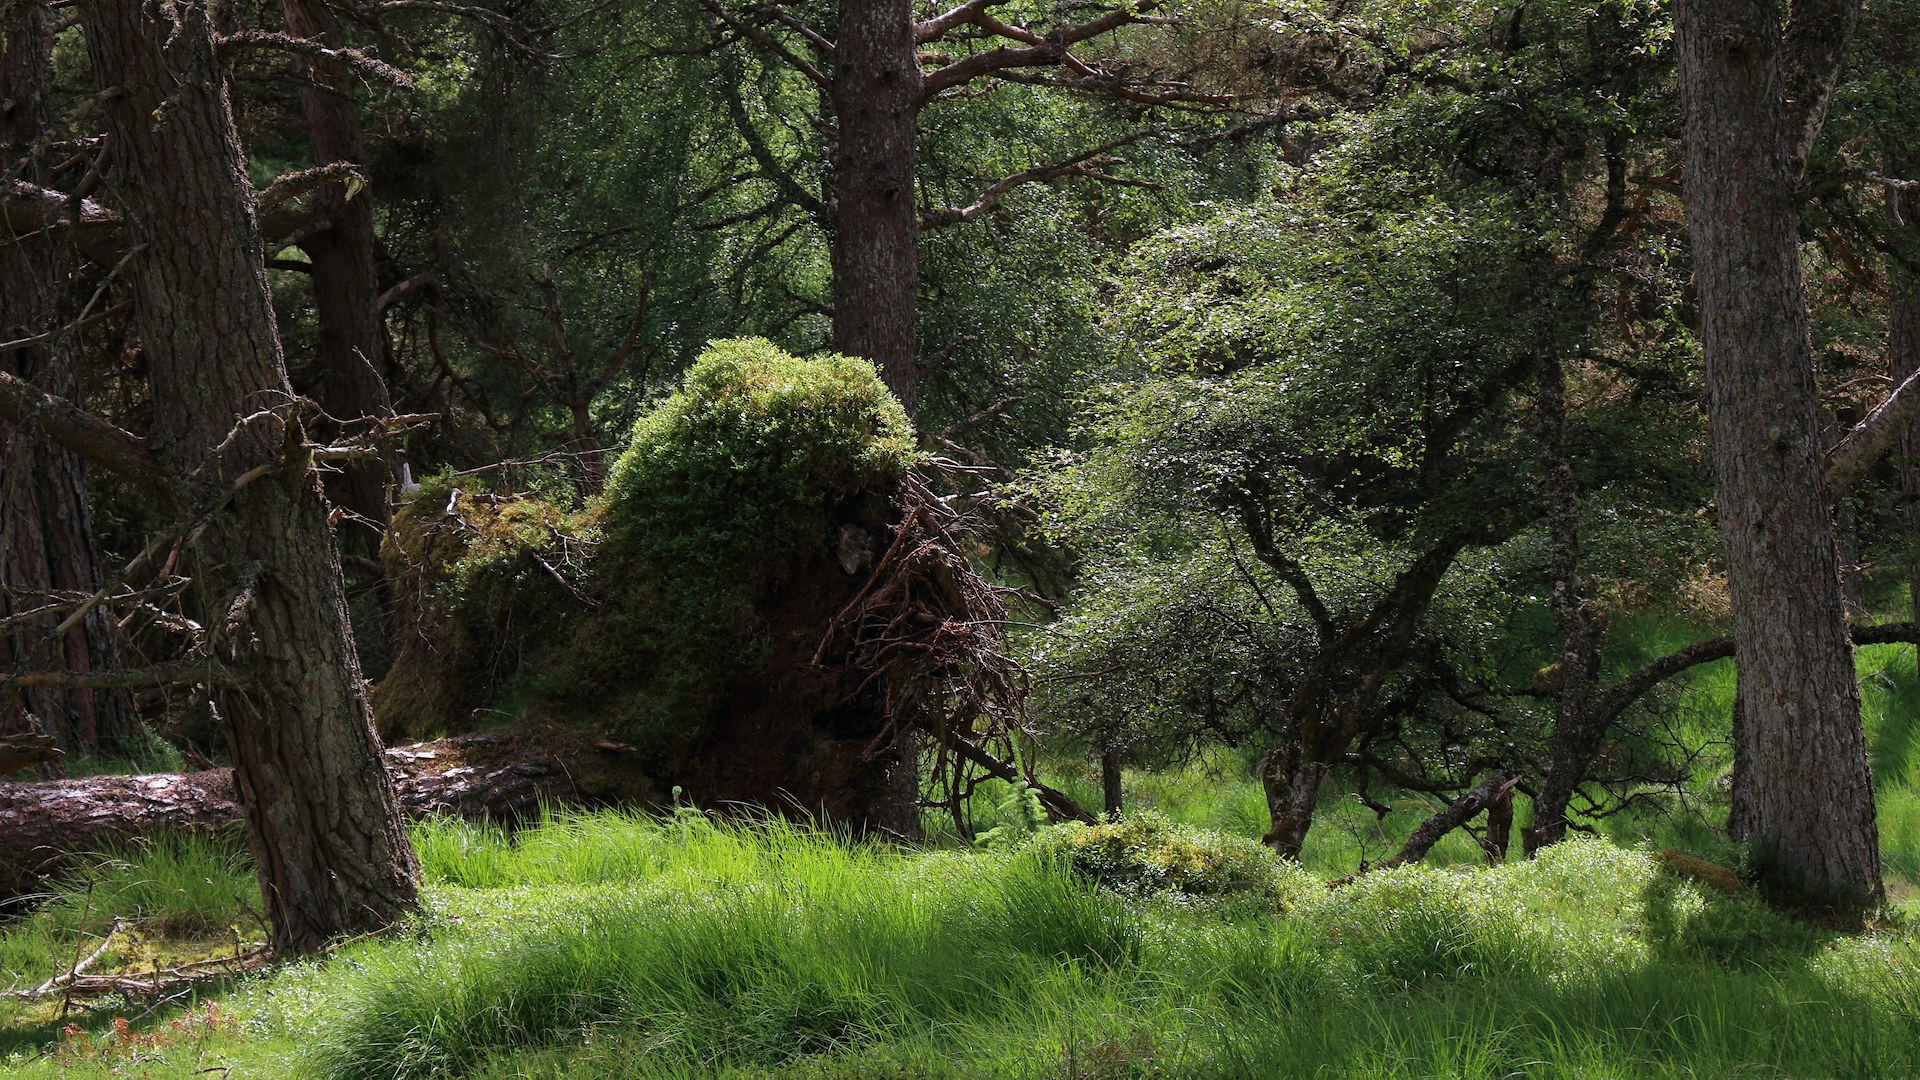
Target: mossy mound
{"type": "Point", "coordinates": [472, 574]}
{"type": "Point", "coordinates": [758, 470]}
{"type": "Point", "coordinates": [1145, 853]}
{"type": "Point", "coordinates": [683, 606]}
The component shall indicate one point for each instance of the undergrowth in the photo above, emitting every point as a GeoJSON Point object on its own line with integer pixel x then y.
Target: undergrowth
{"type": "Point", "coordinates": [615, 945]}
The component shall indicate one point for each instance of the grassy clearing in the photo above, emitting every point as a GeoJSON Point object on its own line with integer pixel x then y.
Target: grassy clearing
{"type": "Point", "coordinates": [612, 945]}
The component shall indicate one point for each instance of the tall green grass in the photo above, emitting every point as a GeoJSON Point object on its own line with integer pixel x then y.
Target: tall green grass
{"type": "Point", "coordinates": [768, 950]}
{"type": "Point", "coordinates": [624, 945]}
{"type": "Point", "coordinates": [191, 885]}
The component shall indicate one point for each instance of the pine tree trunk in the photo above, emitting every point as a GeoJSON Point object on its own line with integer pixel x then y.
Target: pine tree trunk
{"type": "Point", "coordinates": [1808, 793]}
{"type": "Point", "coordinates": [350, 376]}
{"type": "Point", "coordinates": [876, 244]}
{"type": "Point", "coordinates": [326, 833]}
{"type": "Point", "coordinates": [1903, 356]}
{"type": "Point", "coordinates": [46, 528]}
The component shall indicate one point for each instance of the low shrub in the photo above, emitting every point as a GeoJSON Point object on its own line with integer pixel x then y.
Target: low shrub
{"type": "Point", "coordinates": [1145, 853]}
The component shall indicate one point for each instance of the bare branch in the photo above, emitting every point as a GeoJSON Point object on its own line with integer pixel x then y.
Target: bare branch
{"type": "Point", "coordinates": [295, 184]}
{"type": "Point", "coordinates": [198, 672]}
{"type": "Point", "coordinates": [112, 448]}
{"type": "Point", "coordinates": [1051, 52]}
{"type": "Point", "coordinates": [1058, 803]}
{"type": "Point", "coordinates": [1488, 793]}
{"type": "Point", "coordinates": [1872, 438]}
{"type": "Point", "coordinates": [1636, 685]}
{"type": "Point", "coordinates": [369, 66]}
{"type": "Point", "coordinates": [936, 27]}
{"type": "Point", "coordinates": [22, 749]}
{"type": "Point", "coordinates": [1081, 164]}
{"type": "Point", "coordinates": [28, 209]}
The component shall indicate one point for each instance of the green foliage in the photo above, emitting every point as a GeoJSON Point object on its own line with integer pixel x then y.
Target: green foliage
{"type": "Point", "coordinates": [1021, 815]}
{"type": "Point", "coordinates": [754, 453]}
{"type": "Point", "coordinates": [1145, 853]}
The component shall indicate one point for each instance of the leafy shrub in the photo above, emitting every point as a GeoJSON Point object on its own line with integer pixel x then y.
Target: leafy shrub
{"type": "Point", "coordinates": [1416, 923]}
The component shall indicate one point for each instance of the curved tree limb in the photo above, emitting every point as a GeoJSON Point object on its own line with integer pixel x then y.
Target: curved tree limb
{"type": "Point", "coordinates": [1871, 439]}
{"type": "Point", "coordinates": [112, 448]}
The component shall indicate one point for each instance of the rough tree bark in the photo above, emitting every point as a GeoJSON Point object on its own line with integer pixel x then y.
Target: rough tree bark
{"type": "Point", "coordinates": [322, 822]}
{"type": "Point", "coordinates": [46, 532]}
{"type": "Point", "coordinates": [876, 246]}
{"type": "Point", "coordinates": [1339, 696]}
{"type": "Point", "coordinates": [1809, 795]}
{"type": "Point", "coordinates": [1903, 360]}
{"type": "Point", "coordinates": [349, 379]}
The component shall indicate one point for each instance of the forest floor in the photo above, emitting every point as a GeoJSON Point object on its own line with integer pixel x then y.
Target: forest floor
{"type": "Point", "coordinates": [613, 945]}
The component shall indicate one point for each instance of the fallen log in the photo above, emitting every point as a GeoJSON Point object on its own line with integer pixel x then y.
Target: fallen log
{"type": "Point", "coordinates": [487, 776]}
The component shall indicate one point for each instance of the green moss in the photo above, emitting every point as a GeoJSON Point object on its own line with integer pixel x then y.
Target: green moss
{"type": "Point", "coordinates": [748, 463]}
{"type": "Point", "coordinates": [729, 485]}
{"type": "Point", "coordinates": [639, 611]}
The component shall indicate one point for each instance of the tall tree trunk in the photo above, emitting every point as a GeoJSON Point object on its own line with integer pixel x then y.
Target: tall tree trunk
{"type": "Point", "coordinates": [1903, 359]}
{"type": "Point", "coordinates": [1577, 731]}
{"type": "Point", "coordinates": [46, 528]}
{"type": "Point", "coordinates": [1808, 791]}
{"type": "Point", "coordinates": [350, 377]}
{"type": "Point", "coordinates": [876, 245]}
{"type": "Point", "coordinates": [326, 834]}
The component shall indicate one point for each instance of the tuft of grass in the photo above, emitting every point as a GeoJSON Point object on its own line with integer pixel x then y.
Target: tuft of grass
{"type": "Point", "coordinates": [177, 886]}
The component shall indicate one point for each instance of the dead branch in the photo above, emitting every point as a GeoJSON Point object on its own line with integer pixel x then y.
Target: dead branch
{"type": "Point", "coordinates": [1495, 789]}
{"type": "Point", "coordinates": [76, 983]}
{"type": "Point", "coordinates": [194, 672]}
{"type": "Point", "coordinates": [59, 982]}
{"type": "Point", "coordinates": [1059, 804]}
{"type": "Point", "coordinates": [26, 749]}
{"type": "Point", "coordinates": [295, 184]}
{"type": "Point", "coordinates": [369, 66]}
{"type": "Point", "coordinates": [112, 448]}
{"type": "Point", "coordinates": [1052, 50]}
{"type": "Point", "coordinates": [1872, 438]}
